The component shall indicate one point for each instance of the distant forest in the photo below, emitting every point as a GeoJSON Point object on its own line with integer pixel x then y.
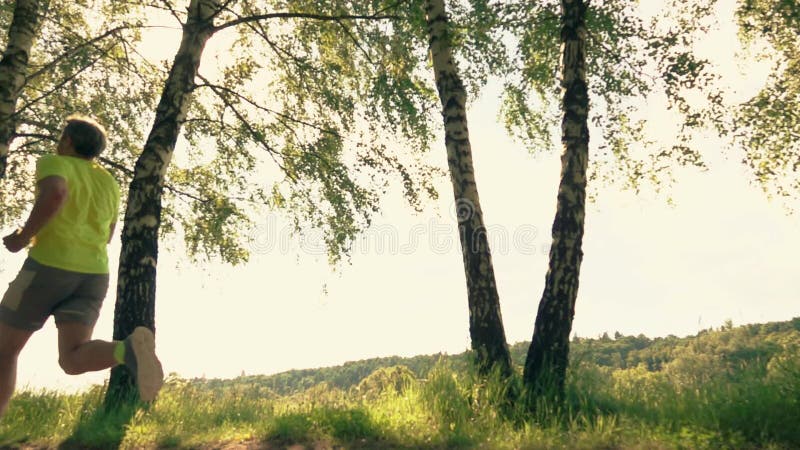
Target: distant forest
{"type": "Point", "coordinates": [728, 347]}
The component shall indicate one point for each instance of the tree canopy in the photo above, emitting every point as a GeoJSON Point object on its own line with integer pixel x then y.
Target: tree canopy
{"type": "Point", "coordinates": [633, 56]}
{"type": "Point", "coordinates": [768, 125]}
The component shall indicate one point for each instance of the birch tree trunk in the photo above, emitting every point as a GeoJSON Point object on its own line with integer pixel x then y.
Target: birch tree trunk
{"type": "Point", "coordinates": [546, 363]}
{"type": "Point", "coordinates": [485, 322]}
{"type": "Point", "coordinates": [13, 68]}
{"type": "Point", "coordinates": [136, 288]}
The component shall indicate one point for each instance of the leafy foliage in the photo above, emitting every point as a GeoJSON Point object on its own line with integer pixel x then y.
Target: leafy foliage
{"type": "Point", "coordinates": [349, 102]}
{"type": "Point", "coordinates": [768, 125]}
{"type": "Point", "coordinates": [630, 58]}
{"type": "Point", "coordinates": [342, 112]}
{"type": "Point", "coordinates": [82, 62]}
{"type": "Point", "coordinates": [326, 109]}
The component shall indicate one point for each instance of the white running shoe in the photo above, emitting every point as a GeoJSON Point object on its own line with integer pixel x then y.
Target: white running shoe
{"type": "Point", "coordinates": [141, 359]}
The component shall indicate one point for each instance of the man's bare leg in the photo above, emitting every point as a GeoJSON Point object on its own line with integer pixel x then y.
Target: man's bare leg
{"type": "Point", "coordinates": [12, 340]}
{"type": "Point", "coordinates": [78, 353]}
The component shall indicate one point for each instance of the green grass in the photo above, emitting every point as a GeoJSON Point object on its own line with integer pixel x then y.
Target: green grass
{"type": "Point", "coordinates": [695, 401]}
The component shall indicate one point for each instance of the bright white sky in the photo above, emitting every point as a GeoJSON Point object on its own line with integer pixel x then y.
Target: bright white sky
{"type": "Point", "coordinates": [723, 252]}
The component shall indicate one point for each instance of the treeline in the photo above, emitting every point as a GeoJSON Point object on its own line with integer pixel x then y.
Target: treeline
{"type": "Point", "coordinates": [731, 345]}
{"type": "Point", "coordinates": [726, 347]}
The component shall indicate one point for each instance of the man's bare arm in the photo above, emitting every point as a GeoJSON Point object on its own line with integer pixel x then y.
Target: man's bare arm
{"type": "Point", "coordinates": [52, 197]}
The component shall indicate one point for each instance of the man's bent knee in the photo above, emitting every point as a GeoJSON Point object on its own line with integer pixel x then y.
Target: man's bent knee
{"type": "Point", "coordinates": [72, 335]}
{"type": "Point", "coordinates": [69, 365]}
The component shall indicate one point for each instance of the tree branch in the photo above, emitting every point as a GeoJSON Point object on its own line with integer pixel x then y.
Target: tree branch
{"type": "Point", "coordinates": [168, 6]}
{"type": "Point", "coordinates": [356, 42]}
{"type": "Point", "coordinates": [222, 7]}
{"type": "Point", "coordinates": [253, 133]}
{"type": "Point", "coordinates": [619, 59]}
{"type": "Point", "coordinates": [122, 168]}
{"type": "Point", "coordinates": [388, 7]}
{"type": "Point", "coordinates": [39, 136]}
{"type": "Point", "coordinates": [73, 50]}
{"type": "Point", "coordinates": [61, 84]}
{"type": "Point", "coordinates": [267, 110]}
{"type": "Point", "coordinates": [140, 3]}
{"type": "Point", "coordinates": [125, 44]}
{"type": "Point", "coordinates": [39, 124]}
{"type": "Point", "coordinates": [296, 15]}
{"type": "Point", "coordinates": [90, 42]}
{"type": "Point", "coordinates": [299, 63]}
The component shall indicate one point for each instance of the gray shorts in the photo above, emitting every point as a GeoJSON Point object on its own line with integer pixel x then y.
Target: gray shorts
{"type": "Point", "coordinates": [40, 291]}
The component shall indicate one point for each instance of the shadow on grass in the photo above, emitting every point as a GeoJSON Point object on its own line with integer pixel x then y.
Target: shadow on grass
{"type": "Point", "coordinates": [326, 444]}
{"type": "Point", "coordinates": [332, 444]}
{"type": "Point", "coordinates": [329, 428]}
{"type": "Point", "coordinates": [103, 428]}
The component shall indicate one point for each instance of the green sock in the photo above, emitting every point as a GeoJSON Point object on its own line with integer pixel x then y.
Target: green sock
{"type": "Point", "coordinates": [119, 352]}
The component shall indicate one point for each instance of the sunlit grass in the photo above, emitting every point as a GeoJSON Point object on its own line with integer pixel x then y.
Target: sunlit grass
{"type": "Point", "coordinates": [693, 402]}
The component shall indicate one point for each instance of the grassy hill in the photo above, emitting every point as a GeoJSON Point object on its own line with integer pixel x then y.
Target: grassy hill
{"type": "Point", "coordinates": [739, 345]}
{"type": "Point", "coordinates": [734, 387]}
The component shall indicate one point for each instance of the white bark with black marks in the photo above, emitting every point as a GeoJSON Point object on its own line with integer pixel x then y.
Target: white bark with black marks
{"type": "Point", "coordinates": [486, 325]}
{"type": "Point", "coordinates": [14, 67]}
{"type": "Point", "coordinates": [136, 288]}
{"type": "Point", "coordinates": [546, 363]}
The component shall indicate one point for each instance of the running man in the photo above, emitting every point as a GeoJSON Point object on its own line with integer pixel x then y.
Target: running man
{"type": "Point", "coordinates": [66, 272]}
